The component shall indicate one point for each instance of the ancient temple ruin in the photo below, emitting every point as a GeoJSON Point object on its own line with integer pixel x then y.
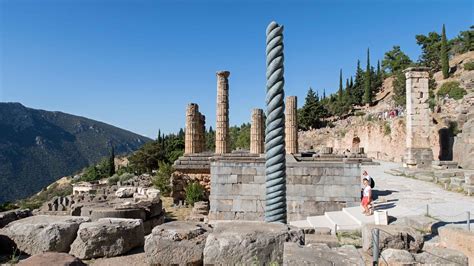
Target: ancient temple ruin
{"type": "Point", "coordinates": [418, 149]}
{"type": "Point", "coordinates": [291, 125]}
{"type": "Point", "coordinates": [257, 138]}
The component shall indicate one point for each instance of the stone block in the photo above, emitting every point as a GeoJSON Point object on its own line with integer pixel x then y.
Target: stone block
{"type": "Point", "coordinates": [458, 239]}
{"type": "Point", "coordinates": [42, 233]}
{"type": "Point", "coordinates": [177, 243]}
{"type": "Point", "coordinates": [247, 242]}
{"type": "Point", "coordinates": [107, 237]}
{"type": "Point", "coordinates": [441, 256]}
{"type": "Point", "coordinates": [51, 258]}
{"type": "Point", "coordinates": [396, 257]}
{"type": "Point", "coordinates": [320, 254]}
{"type": "Point", "coordinates": [392, 236]}
{"type": "Point", "coordinates": [330, 240]}
{"type": "Point", "coordinates": [13, 215]}
{"type": "Point", "coordinates": [419, 222]}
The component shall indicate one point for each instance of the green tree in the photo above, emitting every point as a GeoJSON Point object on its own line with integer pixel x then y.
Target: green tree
{"type": "Point", "coordinates": [444, 54]}
{"type": "Point", "coordinates": [111, 165]}
{"type": "Point", "coordinates": [430, 50]}
{"type": "Point", "coordinates": [368, 79]}
{"type": "Point", "coordinates": [462, 43]}
{"type": "Point", "coordinates": [340, 86]}
{"type": "Point", "coordinates": [358, 88]}
{"type": "Point", "coordinates": [399, 88]}
{"type": "Point", "coordinates": [395, 60]}
{"type": "Point", "coordinates": [309, 116]}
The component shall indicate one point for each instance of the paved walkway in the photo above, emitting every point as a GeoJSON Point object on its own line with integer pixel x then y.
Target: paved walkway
{"type": "Point", "coordinates": [410, 195]}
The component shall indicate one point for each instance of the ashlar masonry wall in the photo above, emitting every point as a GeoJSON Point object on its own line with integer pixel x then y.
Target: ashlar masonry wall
{"type": "Point", "coordinates": [238, 188]}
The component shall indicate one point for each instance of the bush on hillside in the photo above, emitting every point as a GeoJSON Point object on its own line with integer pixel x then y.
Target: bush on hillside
{"type": "Point", "coordinates": [387, 129]}
{"type": "Point", "coordinates": [452, 89]}
{"type": "Point", "coordinates": [55, 190]}
{"type": "Point", "coordinates": [469, 66]}
{"type": "Point", "coordinates": [113, 180]}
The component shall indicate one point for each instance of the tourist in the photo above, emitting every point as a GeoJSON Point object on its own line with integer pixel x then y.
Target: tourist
{"type": "Point", "coordinates": [367, 197]}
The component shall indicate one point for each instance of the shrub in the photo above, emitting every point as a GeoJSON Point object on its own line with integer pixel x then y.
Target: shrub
{"type": "Point", "coordinates": [452, 89]}
{"type": "Point", "coordinates": [194, 193]}
{"type": "Point", "coordinates": [387, 129]}
{"type": "Point", "coordinates": [162, 179]}
{"type": "Point", "coordinates": [113, 179]}
{"type": "Point", "coordinates": [359, 113]}
{"type": "Point", "coordinates": [469, 65]}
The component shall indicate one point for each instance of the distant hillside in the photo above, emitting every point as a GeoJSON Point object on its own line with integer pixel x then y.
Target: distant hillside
{"type": "Point", "coordinates": [37, 147]}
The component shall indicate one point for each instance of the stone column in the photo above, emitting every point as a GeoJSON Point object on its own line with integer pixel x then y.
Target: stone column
{"type": "Point", "coordinates": [291, 125]}
{"type": "Point", "coordinates": [418, 149]}
{"type": "Point", "coordinates": [256, 132]}
{"type": "Point", "coordinates": [222, 114]}
{"type": "Point", "coordinates": [191, 137]}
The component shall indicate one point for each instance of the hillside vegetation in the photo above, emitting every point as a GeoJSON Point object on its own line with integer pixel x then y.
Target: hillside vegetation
{"type": "Point", "coordinates": [38, 147]}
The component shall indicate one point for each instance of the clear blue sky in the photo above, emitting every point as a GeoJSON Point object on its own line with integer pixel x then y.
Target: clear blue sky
{"type": "Point", "coordinates": [136, 64]}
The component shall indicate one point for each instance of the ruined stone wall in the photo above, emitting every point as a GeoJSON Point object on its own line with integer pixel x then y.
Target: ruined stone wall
{"type": "Point", "coordinates": [180, 180]}
{"type": "Point", "coordinates": [382, 140]}
{"type": "Point", "coordinates": [238, 189]}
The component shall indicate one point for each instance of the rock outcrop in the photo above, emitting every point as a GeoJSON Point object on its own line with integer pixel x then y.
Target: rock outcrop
{"type": "Point", "coordinates": [38, 234]}
{"type": "Point", "coordinates": [107, 237]}
{"type": "Point", "coordinates": [441, 256]}
{"type": "Point", "coordinates": [320, 254]}
{"type": "Point", "coordinates": [396, 257]}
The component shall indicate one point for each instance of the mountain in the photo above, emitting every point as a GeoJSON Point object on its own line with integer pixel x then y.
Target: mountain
{"type": "Point", "coordinates": [37, 147]}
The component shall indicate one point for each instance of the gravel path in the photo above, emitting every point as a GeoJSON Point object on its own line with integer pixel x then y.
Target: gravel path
{"type": "Point", "coordinates": [411, 195]}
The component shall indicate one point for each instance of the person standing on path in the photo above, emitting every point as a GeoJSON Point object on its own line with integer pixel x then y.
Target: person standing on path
{"type": "Point", "coordinates": [367, 197]}
{"type": "Point", "coordinates": [365, 175]}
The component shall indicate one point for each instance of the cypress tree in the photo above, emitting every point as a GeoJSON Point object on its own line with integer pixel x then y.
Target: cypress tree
{"type": "Point", "coordinates": [351, 83]}
{"type": "Point", "coordinates": [368, 85]}
{"type": "Point", "coordinates": [444, 54]}
{"type": "Point", "coordinates": [324, 93]}
{"type": "Point", "coordinates": [112, 162]}
{"type": "Point", "coordinates": [340, 85]}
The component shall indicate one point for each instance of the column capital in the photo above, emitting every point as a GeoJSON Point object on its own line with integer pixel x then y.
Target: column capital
{"type": "Point", "coordinates": [223, 73]}
{"type": "Point", "coordinates": [416, 72]}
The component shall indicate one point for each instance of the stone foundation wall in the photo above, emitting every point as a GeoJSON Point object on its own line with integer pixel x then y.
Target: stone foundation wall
{"type": "Point", "coordinates": [238, 188]}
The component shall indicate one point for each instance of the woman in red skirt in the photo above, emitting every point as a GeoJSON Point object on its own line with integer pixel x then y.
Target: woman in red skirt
{"type": "Point", "coordinates": [367, 197]}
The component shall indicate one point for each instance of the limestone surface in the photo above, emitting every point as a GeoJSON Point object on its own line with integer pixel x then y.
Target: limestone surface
{"type": "Point", "coordinates": [42, 233]}
{"type": "Point", "coordinates": [107, 237]}
{"type": "Point", "coordinates": [51, 258]}
{"type": "Point", "coordinates": [13, 215]}
{"type": "Point", "coordinates": [244, 242]}
{"type": "Point", "coordinates": [441, 256]}
{"type": "Point", "coordinates": [396, 257]}
{"type": "Point", "coordinates": [458, 239]}
{"type": "Point", "coordinates": [392, 236]}
{"type": "Point", "coordinates": [177, 243]}
{"type": "Point", "coordinates": [320, 254]}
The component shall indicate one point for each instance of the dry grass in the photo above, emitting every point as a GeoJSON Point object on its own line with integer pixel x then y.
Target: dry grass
{"type": "Point", "coordinates": [173, 214]}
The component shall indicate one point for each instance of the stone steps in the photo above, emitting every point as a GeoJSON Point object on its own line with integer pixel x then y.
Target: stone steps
{"type": "Point", "coordinates": [341, 221]}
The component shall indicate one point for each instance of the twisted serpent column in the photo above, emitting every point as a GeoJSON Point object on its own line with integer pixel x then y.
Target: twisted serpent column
{"type": "Point", "coordinates": [275, 163]}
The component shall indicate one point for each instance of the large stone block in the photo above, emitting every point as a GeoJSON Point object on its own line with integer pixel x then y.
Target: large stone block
{"type": "Point", "coordinates": [177, 243]}
{"type": "Point", "coordinates": [51, 258]}
{"type": "Point", "coordinates": [13, 215]}
{"type": "Point", "coordinates": [458, 239]}
{"type": "Point", "coordinates": [107, 237]}
{"type": "Point", "coordinates": [396, 257]}
{"type": "Point", "coordinates": [441, 256]}
{"type": "Point", "coordinates": [419, 222]}
{"type": "Point", "coordinates": [248, 242]}
{"type": "Point", "coordinates": [320, 254]}
{"type": "Point", "coordinates": [392, 236]}
{"type": "Point", "coordinates": [42, 233]}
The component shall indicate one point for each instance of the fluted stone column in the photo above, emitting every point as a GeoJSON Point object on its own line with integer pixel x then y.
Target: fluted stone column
{"type": "Point", "coordinates": [191, 137]}
{"type": "Point", "coordinates": [222, 114]}
{"type": "Point", "coordinates": [257, 140]}
{"type": "Point", "coordinates": [418, 149]}
{"type": "Point", "coordinates": [291, 125]}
